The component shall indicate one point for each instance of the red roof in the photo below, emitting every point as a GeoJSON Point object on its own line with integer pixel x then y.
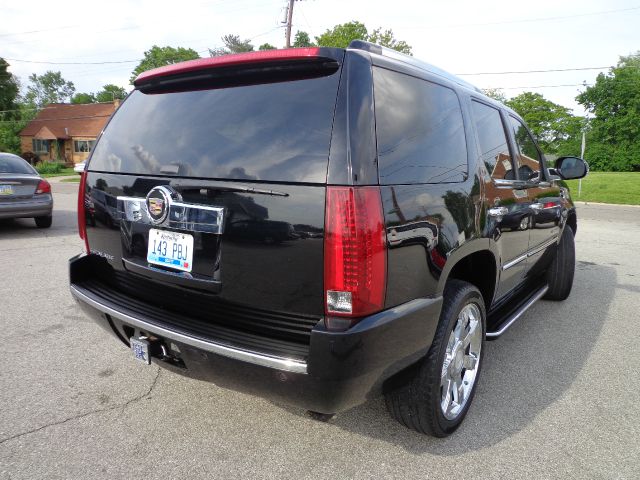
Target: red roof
{"type": "Point", "coordinates": [65, 120]}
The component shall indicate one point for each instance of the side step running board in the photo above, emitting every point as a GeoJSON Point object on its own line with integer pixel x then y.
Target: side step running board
{"type": "Point", "coordinates": [511, 319]}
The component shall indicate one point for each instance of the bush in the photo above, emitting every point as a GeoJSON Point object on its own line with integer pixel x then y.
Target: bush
{"type": "Point", "coordinates": [49, 167]}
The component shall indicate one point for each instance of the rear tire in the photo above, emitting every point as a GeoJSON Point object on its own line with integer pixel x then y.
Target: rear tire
{"type": "Point", "coordinates": [43, 222]}
{"type": "Point", "coordinates": [562, 268]}
{"type": "Point", "coordinates": [436, 397]}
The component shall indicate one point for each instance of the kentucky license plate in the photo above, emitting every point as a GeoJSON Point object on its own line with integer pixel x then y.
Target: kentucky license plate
{"type": "Point", "coordinates": [6, 190]}
{"type": "Point", "coordinates": [170, 249]}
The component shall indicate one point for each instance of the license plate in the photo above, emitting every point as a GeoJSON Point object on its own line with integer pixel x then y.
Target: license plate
{"type": "Point", "coordinates": [170, 249]}
{"type": "Point", "coordinates": [6, 190]}
{"type": "Point", "coordinates": [140, 349]}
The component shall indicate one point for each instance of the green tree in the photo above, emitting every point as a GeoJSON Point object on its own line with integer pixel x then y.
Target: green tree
{"type": "Point", "coordinates": [232, 44]}
{"type": "Point", "coordinates": [386, 39]}
{"type": "Point", "coordinates": [496, 94]}
{"type": "Point", "coordinates": [553, 125]}
{"type": "Point", "coordinates": [83, 97]}
{"type": "Point", "coordinates": [9, 89]}
{"type": "Point", "coordinates": [11, 111]}
{"type": "Point", "coordinates": [342, 35]}
{"type": "Point", "coordinates": [302, 39]}
{"type": "Point", "coordinates": [160, 56]}
{"type": "Point", "coordinates": [266, 46]}
{"type": "Point", "coordinates": [10, 127]}
{"type": "Point", "coordinates": [614, 101]}
{"type": "Point", "coordinates": [110, 92]}
{"type": "Point", "coordinates": [49, 87]}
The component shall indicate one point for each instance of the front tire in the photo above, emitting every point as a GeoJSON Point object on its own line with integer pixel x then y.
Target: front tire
{"type": "Point", "coordinates": [43, 222]}
{"type": "Point", "coordinates": [437, 396]}
{"type": "Point", "coordinates": [562, 268]}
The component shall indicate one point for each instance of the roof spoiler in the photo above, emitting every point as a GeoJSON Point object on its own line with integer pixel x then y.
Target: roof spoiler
{"type": "Point", "coordinates": [285, 56]}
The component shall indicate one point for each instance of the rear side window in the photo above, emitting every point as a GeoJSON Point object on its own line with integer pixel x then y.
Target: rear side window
{"type": "Point", "coordinates": [14, 164]}
{"type": "Point", "coordinates": [494, 149]}
{"type": "Point", "coordinates": [420, 130]}
{"type": "Point", "coordinates": [276, 131]}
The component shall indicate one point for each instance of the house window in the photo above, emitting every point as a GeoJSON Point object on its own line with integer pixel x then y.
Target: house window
{"type": "Point", "coordinates": [83, 146]}
{"type": "Point", "coordinates": [40, 146]}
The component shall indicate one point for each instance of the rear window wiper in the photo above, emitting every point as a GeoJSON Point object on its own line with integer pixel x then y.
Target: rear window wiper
{"type": "Point", "coordinates": [243, 189]}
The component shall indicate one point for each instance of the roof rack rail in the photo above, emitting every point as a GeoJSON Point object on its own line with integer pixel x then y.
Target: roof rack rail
{"type": "Point", "coordinates": [395, 55]}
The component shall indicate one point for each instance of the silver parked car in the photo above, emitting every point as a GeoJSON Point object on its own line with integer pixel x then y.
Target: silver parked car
{"type": "Point", "coordinates": [23, 192]}
{"type": "Point", "coordinates": [79, 167]}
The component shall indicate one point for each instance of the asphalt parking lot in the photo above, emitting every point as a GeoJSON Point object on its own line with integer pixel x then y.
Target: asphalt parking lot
{"type": "Point", "coordinates": [558, 397]}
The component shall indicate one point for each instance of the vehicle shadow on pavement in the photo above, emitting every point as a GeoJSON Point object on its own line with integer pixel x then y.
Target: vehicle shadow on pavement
{"type": "Point", "coordinates": [64, 223]}
{"type": "Point", "coordinates": [525, 372]}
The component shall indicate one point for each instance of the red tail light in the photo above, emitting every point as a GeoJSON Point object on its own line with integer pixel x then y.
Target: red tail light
{"type": "Point", "coordinates": [43, 187]}
{"type": "Point", "coordinates": [355, 257]}
{"type": "Point", "coordinates": [82, 219]}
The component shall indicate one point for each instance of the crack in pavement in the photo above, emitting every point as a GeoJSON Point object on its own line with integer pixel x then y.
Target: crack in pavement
{"type": "Point", "coordinates": [86, 414]}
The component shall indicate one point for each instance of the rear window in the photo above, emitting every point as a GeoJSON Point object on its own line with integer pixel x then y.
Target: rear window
{"type": "Point", "coordinates": [274, 132]}
{"type": "Point", "coordinates": [420, 130]}
{"type": "Point", "coordinates": [14, 164]}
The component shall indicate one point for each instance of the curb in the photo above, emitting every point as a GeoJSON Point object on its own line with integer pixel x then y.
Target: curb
{"type": "Point", "coordinates": [606, 204]}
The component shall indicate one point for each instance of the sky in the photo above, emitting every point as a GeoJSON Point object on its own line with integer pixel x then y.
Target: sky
{"type": "Point", "coordinates": [462, 37]}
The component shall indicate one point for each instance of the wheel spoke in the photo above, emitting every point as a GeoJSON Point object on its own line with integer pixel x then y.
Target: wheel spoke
{"type": "Point", "coordinates": [447, 399]}
{"type": "Point", "coordinates": [461, 327]}
{"type": "Point", "coordinates": [459, 391]}
{"type": "Point", "coordinates": [470, 362]}
{"type": "Point", "coordinates": [444, 377]}
{"type": "Point", "coordinates": [473, 325]}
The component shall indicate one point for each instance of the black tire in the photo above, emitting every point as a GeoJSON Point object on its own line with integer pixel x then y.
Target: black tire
{"type": "Point", "coordinates": [43, 222]}
{"type": "Point", "coordinates": [560, 272]}
{"type": "Point", "coordinates": [416, 403]}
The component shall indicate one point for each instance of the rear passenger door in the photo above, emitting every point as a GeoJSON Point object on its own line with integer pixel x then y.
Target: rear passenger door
{"type": "Point", "coordinates": [544, 195]}
{"type": "Point", "coordinates": [507, 213]}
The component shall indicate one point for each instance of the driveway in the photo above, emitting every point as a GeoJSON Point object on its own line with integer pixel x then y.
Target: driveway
{"type": "Point", "coordinates": [558, 397]}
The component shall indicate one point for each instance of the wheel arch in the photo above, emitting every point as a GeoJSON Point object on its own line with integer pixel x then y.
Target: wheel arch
{"type": "Point", "coordinates": [475, 263]}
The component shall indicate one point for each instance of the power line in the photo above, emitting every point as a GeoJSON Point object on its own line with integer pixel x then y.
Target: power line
{"type": "Point", "coordinates": [538, 71]}
{"type": "Point", "coordinates": [38, 31]}
{"type": "Point", "coordinates": [528, 20]}
{"type": "Point", "coordinates": [541, 86]}
{"type": "Point", "coordinates": [71, 63]}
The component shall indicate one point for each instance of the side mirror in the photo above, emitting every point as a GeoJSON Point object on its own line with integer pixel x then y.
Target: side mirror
{"type": "Point", "coordinates": [571, 168]}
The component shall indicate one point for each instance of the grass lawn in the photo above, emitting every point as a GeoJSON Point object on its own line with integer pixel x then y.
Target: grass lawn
{"type": "Point", "coordinates": [608, 187]}
{"type": "Point", "coordinates": [71, 180]}
{"type": "Point", "coordinates": [62, 173]}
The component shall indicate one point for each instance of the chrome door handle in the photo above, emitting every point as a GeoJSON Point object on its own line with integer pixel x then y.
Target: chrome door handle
{"type": "Point", "coordinates": [498, 211]}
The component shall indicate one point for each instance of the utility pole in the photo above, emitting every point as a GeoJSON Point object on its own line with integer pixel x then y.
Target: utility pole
{"type": "Point", "coordinates": [289, 20]}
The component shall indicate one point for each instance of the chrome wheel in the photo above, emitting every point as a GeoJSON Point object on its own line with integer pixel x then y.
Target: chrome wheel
{"type": "Point", "coordinates": [461, 361]}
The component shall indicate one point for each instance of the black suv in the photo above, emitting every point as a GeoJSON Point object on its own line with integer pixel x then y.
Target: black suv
{"type": "Point", "coordinates": [320, 225]}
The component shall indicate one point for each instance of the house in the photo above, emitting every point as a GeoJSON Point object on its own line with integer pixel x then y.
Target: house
{"type": "Point", "coordinates": [66, 132]}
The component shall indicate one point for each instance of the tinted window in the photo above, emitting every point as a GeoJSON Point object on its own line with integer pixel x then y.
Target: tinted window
{"type": "Point", "coordinates": [277, 131]}
{"type": "Point", "coordinates": [420, 130]}
{"type": "Point", "coordinates": [14, 164]}
{"type": "Point", "coordinates": [528, 155]}
{"type": "Point", "coordinates": [494, 149]}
